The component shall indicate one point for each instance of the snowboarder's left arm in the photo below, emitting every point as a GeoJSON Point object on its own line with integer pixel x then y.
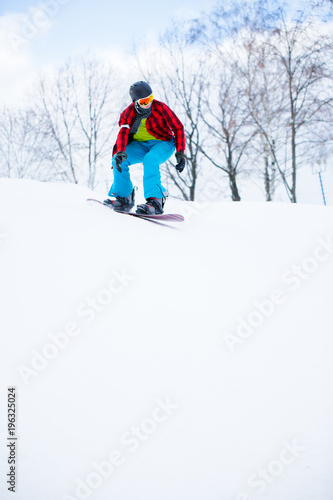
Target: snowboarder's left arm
{"type": "Point", "coordinates": [181, 161]}
{"type": "Point", "coordinates": [177, 128]}
{"type": "Point", "coordinates": [179, 135]}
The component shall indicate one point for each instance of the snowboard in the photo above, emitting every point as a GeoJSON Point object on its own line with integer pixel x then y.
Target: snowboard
{"type": "Point", "coordinates": [150, 217]}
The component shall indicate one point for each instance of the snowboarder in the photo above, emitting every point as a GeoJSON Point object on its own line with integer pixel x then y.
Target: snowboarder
{"type": "Point", "coordinates": [149, 133]}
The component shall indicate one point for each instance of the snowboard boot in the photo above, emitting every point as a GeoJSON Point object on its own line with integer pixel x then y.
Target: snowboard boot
{"type": "Point", "coordinates": [153, 206]}
{"type": "Point", "coordinates": [121, 204]}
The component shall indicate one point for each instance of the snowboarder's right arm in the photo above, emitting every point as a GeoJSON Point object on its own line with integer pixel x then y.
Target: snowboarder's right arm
{"type": "Point", "coordinates": [125, 122]}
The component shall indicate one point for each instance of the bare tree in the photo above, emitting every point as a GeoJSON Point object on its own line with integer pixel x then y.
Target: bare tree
{"type": "Point", "coordinates": [76, 106]}
{"type": "Point", "coordinates": [184, 87]}
{"type": "Point", "coordinates": [56, 97]}
{"type": "Point", "coordinates": [95, 113]}
{"type": "Point", "coordinates": [21, 140]}
{"type": "Point", "coordinates": [285, 64]}
{"type": "Point", "coordinates": [179, 74]}
{"type": "Point", "coordinates": [227, 122]}
{"type": "Point", "coordinates": [226, 114]}
{"type": "Point", "coordinates": [265, 103]}
{"type": "Point", "coordinates": [302, 57]}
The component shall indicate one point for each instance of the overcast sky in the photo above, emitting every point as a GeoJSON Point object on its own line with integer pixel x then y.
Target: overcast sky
{"type": "Point", "coordinates": [38, 33]}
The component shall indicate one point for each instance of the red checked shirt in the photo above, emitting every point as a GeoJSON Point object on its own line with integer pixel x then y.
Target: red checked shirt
{"type": "Point", "coordinates": [162, 123]}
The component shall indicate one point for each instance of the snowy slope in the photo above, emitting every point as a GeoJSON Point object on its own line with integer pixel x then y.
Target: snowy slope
{"type": "Point", "coordinates": [160, 364]}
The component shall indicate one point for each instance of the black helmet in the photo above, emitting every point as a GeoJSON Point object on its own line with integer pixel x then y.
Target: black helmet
{"type": "Point", "coordinates": [139, 90]}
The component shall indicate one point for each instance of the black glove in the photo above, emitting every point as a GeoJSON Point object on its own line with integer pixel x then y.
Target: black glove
{"type": "Point", "coordinates": [181, 162]}
{"type": "Point", "coordinates": [118, 159]}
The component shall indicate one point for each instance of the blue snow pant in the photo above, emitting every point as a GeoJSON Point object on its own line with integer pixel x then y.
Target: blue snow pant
{"type": "Point", "coordinates": [152, 154]}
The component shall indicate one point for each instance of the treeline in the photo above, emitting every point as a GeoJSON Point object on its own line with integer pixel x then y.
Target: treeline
{"type": "Point", "coordinates": [251, 83]}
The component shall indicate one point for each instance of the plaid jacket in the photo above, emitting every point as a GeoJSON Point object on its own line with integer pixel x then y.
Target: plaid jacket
{"type": "Point", "coordinates": [162, 123]}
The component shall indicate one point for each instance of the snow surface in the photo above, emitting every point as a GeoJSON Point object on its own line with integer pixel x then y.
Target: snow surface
{"type": "Point", "coordinates": [159, 364]}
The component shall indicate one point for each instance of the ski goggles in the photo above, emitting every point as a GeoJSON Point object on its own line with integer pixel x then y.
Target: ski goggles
{"type": "Point", "coordinates": [146, 100]}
